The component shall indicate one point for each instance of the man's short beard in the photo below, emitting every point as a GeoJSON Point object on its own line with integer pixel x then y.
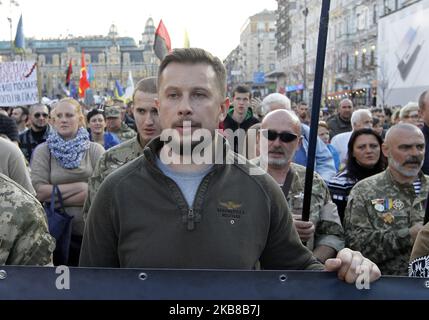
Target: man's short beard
{"type": "Point", "coordinates": [278, 163]}
{"type": "Point", "coordinates": [402, 170]}
{"type": "Point", "coordinates": [39, 128]}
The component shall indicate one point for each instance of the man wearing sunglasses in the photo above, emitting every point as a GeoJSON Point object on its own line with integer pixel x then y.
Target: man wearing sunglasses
{"type": "Point", "coordinates": [323, 233]}
{"type": "Point", "coordinates": [324, 162]}
{"type": "Point", "coordinates": [38, 132]}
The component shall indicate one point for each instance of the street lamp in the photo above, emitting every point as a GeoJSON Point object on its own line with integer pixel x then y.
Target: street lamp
{"type": "Point", "coordinates": [304, 47]}
{"type": "Point", "coordinates": [16, 4]}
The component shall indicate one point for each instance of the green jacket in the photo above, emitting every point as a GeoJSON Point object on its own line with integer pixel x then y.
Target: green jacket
{"type": "Point", "coordinates": [378, 217]}
{"type": "Point", "coordinates": [140, 218]}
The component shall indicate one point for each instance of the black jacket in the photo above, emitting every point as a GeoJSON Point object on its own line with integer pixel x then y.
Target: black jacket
{"type": "Point", "coordinates": [337, 125]}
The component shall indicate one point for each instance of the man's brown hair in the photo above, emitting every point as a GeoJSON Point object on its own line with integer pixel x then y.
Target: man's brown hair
{"type": "Point", "coordinates": [195, 56]}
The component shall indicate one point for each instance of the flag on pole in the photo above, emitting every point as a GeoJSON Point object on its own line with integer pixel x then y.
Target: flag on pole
{"type": "Point", "coordinates": [162, 44]}
{"type": "Point", "coordinates": [69, 72]}
{"type": "Point", "coordinates": [119, 91]}
{"type": "Point", "coordinates": [130, 87]}
{"type": "Point", "coordinates": [186, 43]}
{"type": "Point", "coordinates": [19, 38]}
{"type": "Point", "coordinates": [83, 83]}
{"type": "Point", "coordinates": [91, 74]}
{"type": "Point", "coordinates": [73, 90]}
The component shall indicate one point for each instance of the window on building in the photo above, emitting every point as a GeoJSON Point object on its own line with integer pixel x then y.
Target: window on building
{"type": "Point", "coordinates": [94, 57]}
{"type": "Point", "coordinates": [356, 59]}
{"type": "Point", "coordinates": [373, 55]}
{"type": "Point", "coordinates": [347, 62]}
{"type": "Point", "coordinates": [390, 6]}
{"type": "Point", "coordinates": [48, 59]}
{"type": "Point", "coordinates": [347, 25]}
{"type": "Point", "coordinates": [363, 58]}
{"type": "Point", "coordinates": [374, 14]}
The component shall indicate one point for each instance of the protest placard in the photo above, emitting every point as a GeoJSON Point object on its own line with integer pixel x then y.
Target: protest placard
{"type": "Point", "coordinates": [18, 83]}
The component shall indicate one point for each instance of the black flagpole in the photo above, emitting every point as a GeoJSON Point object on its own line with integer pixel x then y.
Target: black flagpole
{"type": "Point", "coordinates": [317, 95]}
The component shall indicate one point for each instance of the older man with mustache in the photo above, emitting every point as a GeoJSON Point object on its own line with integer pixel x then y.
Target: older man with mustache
{"type": "Point", "coordinates": [385, 211]}
{"type": "Point", "coordinates": [323, 233]}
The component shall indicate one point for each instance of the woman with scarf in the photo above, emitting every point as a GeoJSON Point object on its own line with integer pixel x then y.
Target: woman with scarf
{"type": "Point", "coordinates": [364, 159]}
{"type": "Point", "coordinates": [67, 159]}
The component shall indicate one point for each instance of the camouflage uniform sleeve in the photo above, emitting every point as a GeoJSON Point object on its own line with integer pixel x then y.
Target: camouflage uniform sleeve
{"type": "Point", "coordinates": [94, 182]}
{"type": "Point", "coordinates": [24, 235]}
{"type": "Point", "coordinates": [329, 231]}
{"type": "Point", "coordinates": [127, 134]}
{"type": "Point", "coordinates": [363, 235]}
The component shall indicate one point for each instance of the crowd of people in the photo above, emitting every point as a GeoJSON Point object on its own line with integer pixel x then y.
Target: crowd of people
{"type": "Point", "coordinates": [240, 208]}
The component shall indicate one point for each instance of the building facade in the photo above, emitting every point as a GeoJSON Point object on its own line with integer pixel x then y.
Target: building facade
{"type": "Point", "coordinates": [256, 55]}
{"type": "Point", "coordinates": [351, 63]}
{"type": "Point", "coordinates": [110, 57]}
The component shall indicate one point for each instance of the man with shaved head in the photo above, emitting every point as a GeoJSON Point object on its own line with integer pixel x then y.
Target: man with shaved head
{"type": "Point", "coordinates": [324, 162]}
{"type": "Point", "coordinates": [323, 233]}
{"type": "Point", "coordinates": [385, 211]}
{"type": "Point", "coordinates": [341, 122]}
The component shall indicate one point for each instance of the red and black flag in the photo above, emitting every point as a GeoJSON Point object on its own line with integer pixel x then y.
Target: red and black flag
{"type": "Point", "coordinates": [162, 44]}
{"type": "Point", "coordinates": [69, 72]}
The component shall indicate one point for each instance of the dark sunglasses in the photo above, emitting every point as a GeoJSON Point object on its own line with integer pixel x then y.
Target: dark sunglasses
{"type": "Point", "coordinates": [284, 136]}
{"type": "Point", "coordinates": [38, 115]}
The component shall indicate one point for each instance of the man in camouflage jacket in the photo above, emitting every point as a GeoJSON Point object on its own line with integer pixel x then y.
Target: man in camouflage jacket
{"type": "Point", "coordinates": [116, 125]}
{"type": "Point", "coordinates": [385, 212]}
{"type": "Point", "coordinates": [323, 233]}
{"type": "Point", "coordinates": [147, 122]}
{"type": "Point", "coordinates": [24, 235]}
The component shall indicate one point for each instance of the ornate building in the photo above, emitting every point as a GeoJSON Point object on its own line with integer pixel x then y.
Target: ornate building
{"type": "Point", "coordinates": [110, 57]}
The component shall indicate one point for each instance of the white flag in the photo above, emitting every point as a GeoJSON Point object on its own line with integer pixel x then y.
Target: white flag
{"type": "Point", "coordinates": [130, 86]}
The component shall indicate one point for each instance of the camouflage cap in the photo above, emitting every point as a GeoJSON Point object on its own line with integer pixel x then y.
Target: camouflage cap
{"type": "Point", "coordinates": [112, 112]}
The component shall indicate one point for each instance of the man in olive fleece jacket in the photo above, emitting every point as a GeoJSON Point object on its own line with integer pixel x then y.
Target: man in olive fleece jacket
{"type": "Point", "coordinates": [157, 214]}
{"type": "Point", "coordinates": [225, 228]}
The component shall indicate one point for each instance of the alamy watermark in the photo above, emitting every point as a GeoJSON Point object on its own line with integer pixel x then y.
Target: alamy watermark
{"type": "Point", "coordinates": [62, 282]}
{"type": "Point", "coordinates": [364, 279]}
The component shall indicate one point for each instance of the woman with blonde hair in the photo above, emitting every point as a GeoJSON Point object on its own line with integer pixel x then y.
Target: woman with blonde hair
{"type": "Point", "coordinates": [67, 159]}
